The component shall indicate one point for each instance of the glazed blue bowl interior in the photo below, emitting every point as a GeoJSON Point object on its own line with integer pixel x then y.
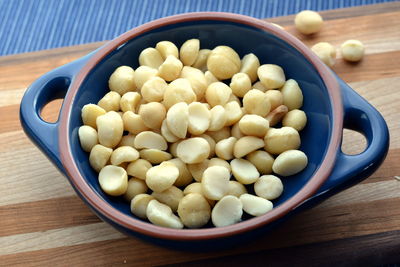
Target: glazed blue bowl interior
{"type": "Point", "coordinates": [244, 39]}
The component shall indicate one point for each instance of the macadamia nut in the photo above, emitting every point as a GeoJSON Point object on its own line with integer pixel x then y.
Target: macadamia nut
{"type": "Point", "coordinates": [308, 22]}
{"type": "Point", "coordinates": [250, 64]}
{"type": "Point", "coordinates": [154, 156]}
{"type": "Point", "coordinates": [223, 62]}
{"type": "Point", "coordinates": [139, 205]}
{"type": "Point", "coordinates": [296, 119]}
{"type": "Point", "coordinates": [89, 114]}
{"type": "Point", "coordinates": [224, 148]}
{"type": "Point", "coordinates": [262, 160]}
{"type": "Point", "coordinates": [124, 154]}
{"type": "Point", "coordinates": [218, 118]}
{"type": "Point", "coordinates": [219, 162]}
{"type": "Point", "coordinates": [162, 177]}
{"type": "Point", "coordinates": [227, 211]}
{"type": "Point", "coordinates": [122, 80]}
{"type": "Point", "coordinates": [276, 115]}
{"type": "Point", "coordinates": [99, 156]}
{"type": "Point", "coordinates": [326, 52]}
{"type": "Point", "coordinates": [259, 86]}
{"type": "Point", "coordinates": [160, 214]}
{"type": "Point", "coordinates": [233, 113]}
{"type": "Point", "coordinates": [199, 118]}
{"type": "Point", "coordinates": [271, 76]}
{"type": "Point", "coordinates": [127, 140]}
{"type": "Point", "coordinates": [110, 129]}
{"type": "Point", "coordinates": [178, 119]}
{"type": "Point", "coordinates": [215, 182]}
{"type": "Point", "coordinates": [129, 101]}
{"type": "Point", "coordinates": [290, 162]}
{"type": "Point", "coordinates": [135, 187]}
{"type": "Point", "coordinates": [197, 189]}
{"type": "Point", "coordinates": [185, 177]}
{"type": "Point", "coordinates": [275, 98]}
{"type": "Point", "coordinates": [210, 141]}
{"type": "Point", "coordinates": [194, 210]}
{"type": "Point", "coordinates": [236, 189]}
{"type": "Point", "coordinates": [170, 197]}
{"type": "Point", "coordinates": [244, 171]}
{"type": "Point", "coordinates": [150, 57]}
{"type": "Point", "coordinates": [178, 91]}
{"type": "Point", "coordinates": [282, 139]}
{"type": "Point", "coordinates": [149, 139]}
{"type": "Point", "coordinates": [197, 80]}
{"type": "Point", "coordinates": [255, 206]}
{"type": "Point", "coordinates": [170, 69]}
{"type": "Point", "coordinates": [218, 94]}
{"type": "Point", "coordinates": [256, 102]}
{"type": "Point", "coordinates": [352, 50]}
{"type": "Point", "coordinates": [133, 123]}
{"type": "Point", "coordinates": [197, 169]}
{"type": "Point", "coordinates": [269, 187]}
{"type": "Point", "coordinates": [193, 188]}
{"type": "Point", "coordinates": [153, 89]}
{"type": "Point", "coordinates": [253, 125]}
{"type": "Point", "coordinates": [113, 180]}
{"type": "Point", "coordinates": [220, 134]}
{"type": "Point", "coordinates": [138, 168]}
{"type": "Point", "coordinates": [193, 150]}
{"type": "Point", "coordinates": [246, 145]}
{"type": "Point", "coordinates": [292, 95]}
{"type": "Point", "coordinates": [143, 74]}
{"type": "Point", "coordinates": [189, 51]}
{"type": "Point", "coordinates": [167, 134]}
{"type": "Point", "coordinates": [240, 84]}
{"type": "Point", "coordinates": [87, 137]}
{"type": "Point", "coordinates": [173, 148]}
{"type": "Point", "coordinates": [167, 48]}
{"type": "Point", "coordinates": [110, 102]}
{"type": "Point", "coordinates": [201, 60]}
{"type": "Point", "coordinates": [153, 114]}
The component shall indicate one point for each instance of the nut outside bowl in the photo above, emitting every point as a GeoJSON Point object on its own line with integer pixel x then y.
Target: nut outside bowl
{"type": "Point", "coordinates": [329, 102]}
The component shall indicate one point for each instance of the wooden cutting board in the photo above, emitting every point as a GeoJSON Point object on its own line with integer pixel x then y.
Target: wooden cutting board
{"type": "Point", "coordinates": [43, 222]}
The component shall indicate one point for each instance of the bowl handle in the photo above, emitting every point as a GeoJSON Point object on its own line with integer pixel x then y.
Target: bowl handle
{"type": "Point", "coordinates": [50, 86]}
{"type": "Point", "coordinates": [362, 117]}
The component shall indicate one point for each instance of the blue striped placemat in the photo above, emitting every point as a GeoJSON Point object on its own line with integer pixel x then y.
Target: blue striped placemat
{"type": "Point", "coordinates": [31, 25]}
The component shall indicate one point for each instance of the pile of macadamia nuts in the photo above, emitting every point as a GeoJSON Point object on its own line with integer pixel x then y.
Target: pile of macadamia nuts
{"type": "Point", "coordinates": [183, 147]}
{"type": "Point", "coordinates": [310, 22]}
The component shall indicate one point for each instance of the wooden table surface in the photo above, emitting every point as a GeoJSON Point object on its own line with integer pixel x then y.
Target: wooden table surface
{"type": "Point", "coordinates": [43, 222]}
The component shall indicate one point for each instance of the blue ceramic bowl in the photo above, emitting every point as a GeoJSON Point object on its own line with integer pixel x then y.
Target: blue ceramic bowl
{"type": "Point", "coordinates": [328, 101]}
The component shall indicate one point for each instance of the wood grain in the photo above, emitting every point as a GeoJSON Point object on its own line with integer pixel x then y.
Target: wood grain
{"type": "Point", "coordinates": [301, 255]}
{"type": "Point", "coordinates": [43, 222]}
{"type": "Point", "coordinates": [52, 213]}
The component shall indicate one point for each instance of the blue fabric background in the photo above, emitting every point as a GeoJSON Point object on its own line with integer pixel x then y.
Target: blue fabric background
{"type": "Point", "coordinates": [30, 25]}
